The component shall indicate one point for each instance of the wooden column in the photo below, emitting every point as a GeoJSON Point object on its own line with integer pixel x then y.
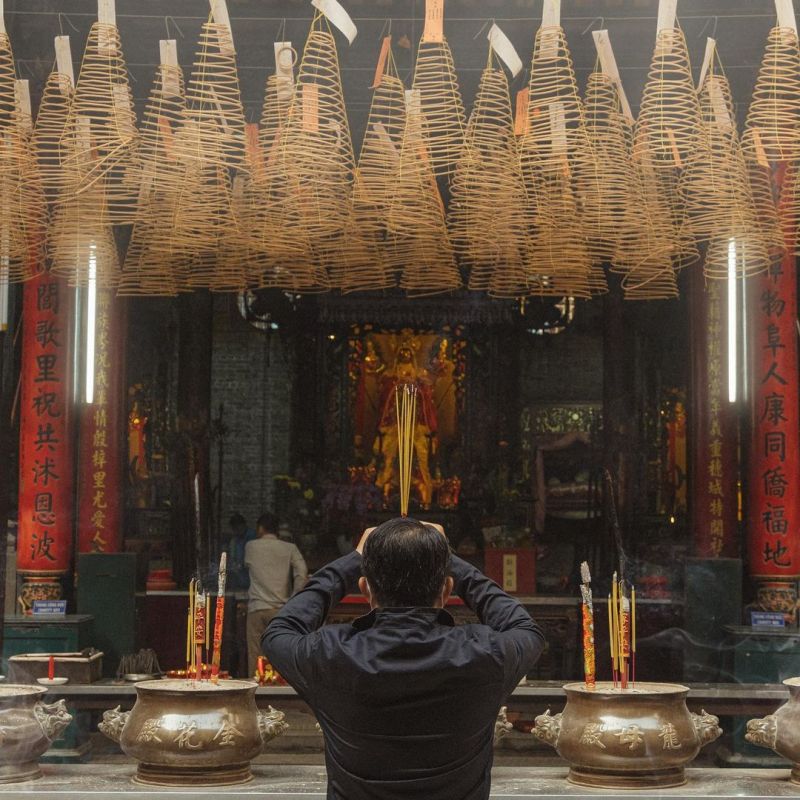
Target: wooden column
{"type": "Point", "coordinates": [102, 427]}
{"type": "Point", "coordinates": [45, 541]}
{"type": "Point", "coordinates": [773, 523]}
{"type": "Point", "coordinates": [713, 429]}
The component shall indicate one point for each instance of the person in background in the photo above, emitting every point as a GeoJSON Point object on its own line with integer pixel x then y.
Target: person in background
{"type": "Point", "coordinates": [407, 700]}
{"type": "Point", "coordinates": [240, 536]}
{"type": "Point", "coordinates": [277, 570]}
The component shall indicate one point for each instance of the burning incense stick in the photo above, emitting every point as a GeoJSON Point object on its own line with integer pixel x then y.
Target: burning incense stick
{"type": "Point", "coordinates": [219, 618]}
{"type": "Point", "coordinates": [199, 630]}
{"type": "Point", "coordinates": [612, 639]}
{"type": "Point", "coordinates": [588, 627]}
{"type": "Point", "coordinates": [406, 407]}
{"type": "Point", "coordinates": [633, 635]}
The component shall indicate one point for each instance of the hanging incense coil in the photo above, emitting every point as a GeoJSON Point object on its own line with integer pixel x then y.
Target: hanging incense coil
{"type": "Point", "coordinates": [766, 213]}
{"type": "Point", "coordinates": [555, 136]}
{"type": "Point", "coordinates": [669, 117]}
{"type": "Point", "coordinates": [49, 130]}
{"type": "Point", "coordinates": [559, 258]}
{"type": "Point", "coordinates": [494, 247]}
{"type": "Point", "coordinates": [419, 246]}
{"type": "Point", "coordinates": [145, 272]}
{"type": "Point", "coordinates": [316, 149]}
{"type": "Point", "coordinates": [606, 198]}
{"type": "Point", "coordinates": [161, 167]}
{"type": "Point", "coordinates": [100, 138]}
{"type": "Point", "coordinates": [81, 241]}
{"type": "Point", "coordinates": [440, 100]}
{"type": "Point", "coordinates": [715, 187]}
{"type": "Point", "coordinates": [772, 131]}
{"type": "Point", "coordinates": [379, 159]}
{"type": "Point", "coordinates": [213, 103]}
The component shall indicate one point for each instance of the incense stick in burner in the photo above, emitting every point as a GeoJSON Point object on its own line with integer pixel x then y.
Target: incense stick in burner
{"type": "Point", "coordinates": [589, 667]}
{"type": "Point", "coordinates": [406, 409]}
{"type": "Point", "coordinates": [219, 618]}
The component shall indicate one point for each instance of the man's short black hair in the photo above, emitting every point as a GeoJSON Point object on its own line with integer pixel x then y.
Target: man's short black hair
{"type": "Point", "coordinates": [405, 563]}
{"type": "Point", "coordinates": [237, 520]}
{"type": "Point", "coordinates": [269, 522]}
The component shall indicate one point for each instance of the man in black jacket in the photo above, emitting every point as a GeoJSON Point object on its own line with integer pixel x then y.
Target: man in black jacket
{"type": "Point", "coordinates": [406, 700]}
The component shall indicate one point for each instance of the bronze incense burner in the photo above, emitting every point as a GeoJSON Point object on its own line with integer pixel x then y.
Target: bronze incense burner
{"type": "Point", "coordinates": [633, 738]}
{"type": "Point", "coordinates": [193, 733]}
{"type": "Point", "coordinates": [780, 731]}
{"type": "Point", "coordinates": [27, 727]}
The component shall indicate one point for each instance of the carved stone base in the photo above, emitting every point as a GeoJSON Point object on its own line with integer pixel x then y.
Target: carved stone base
{"type": "Point", "coordinates": [39, 587]}
{"type": "Point", "coordinates": [602, 779]}
{"type": "Point", "coordinates": [159, 775]}
{"type": "Point", "coordinates": [16, 773]}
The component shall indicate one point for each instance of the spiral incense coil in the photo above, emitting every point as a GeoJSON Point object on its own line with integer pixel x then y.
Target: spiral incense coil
{"type": "Point", "coordinates": [161, 168]}
{"type": "Point", "coordinates": [144, 272]}
{"type": "Point", "coordinates": [316, 149]}
{"type": "Point", "coordinates": [559, 257]}
{"type": "Point", "coordinates": [494, 247]}
{"type": "Point", "coordinates": [606, 198]}
{"type": "Point", "coordinates": [555, 136]}
{"type": "Point", "coordinates": [669, 117]}
{"type": "Point", "coordinates": [440, 100]}
{"type": "Point", "coordinates": [49, 130]}
{"type": "Point", "coordinates": [772, 131]}
{"type": "Point", "coordinates": [645, 285]}
{"type": "Point", "coordinates": [419, 246]}
{"type": "Point", "coordinates": [766, 214]}
{"type": "Point", "coordinates": [100, 138]}
{"type": "Point", "coordinates": [81, 241]}
{"type": "Point", "coordinates": [213, 103]}
{"type": "Point", "coordinates": [275, 113]}
{"type": "Point", "coordinates": [379, 159]}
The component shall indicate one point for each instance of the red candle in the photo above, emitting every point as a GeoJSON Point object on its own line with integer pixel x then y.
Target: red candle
{"type": "Point", "coordinates": [51, 668]}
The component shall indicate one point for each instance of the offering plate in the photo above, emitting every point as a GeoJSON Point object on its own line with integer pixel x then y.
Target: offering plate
{"type": "Point", "coordinates": [633, 738]}
{"type": "Point", "coordinates": [193, 733]}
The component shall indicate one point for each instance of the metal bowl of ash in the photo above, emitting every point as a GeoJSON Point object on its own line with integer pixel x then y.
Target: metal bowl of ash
{"type": "Point", "coordinates": [641, 737]}
{"type": "Point", "coordinates": [193, 733]}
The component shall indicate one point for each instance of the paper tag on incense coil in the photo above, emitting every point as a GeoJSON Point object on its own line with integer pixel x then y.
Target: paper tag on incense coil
{"type": "Point", "coordinates": [676, 153]}
{"type": "Point", "coordinates": [2, 18]}
{"type": "Point", "coordinates": [310, 107]}
{"type": "Point", "coordinates": [252, 147]}
{"type": "Point", "coordinates": [285, 58]}
{"type": "Point", "coordinates": [551, 14]}
{"type": "Point", "coordinates": [170, 71]}
{"type": "Point", "coordinates": [722, 116]}
{"type": "Point", "coordinates": [107, 17]}
{"type": "Point", "coordinates": [22, 90]}
{"type": "Point", "coordinates": [786, 16]}
{"type": "Point", "coordinates": [64, 60]}
{"type": "Point", "coordinates": [708, 58]}
{"type": "Point", "coordinates": [219, 14]}
{"type": "Point", "coordinates": [382, 58]}
{"type": "Point", "coordinates": [667, 10]}
{"type": "Point", "coordinates": [338, 17]}
{"type": "Point", "coordinates": [521, 122]}
{"type": "Point", "coordinates": [608, 63]}
{"type": "Point", "coordinates": [434, 21]}
{"type": "Point", "coordinates": [501, 45]}
{"type": "Point", "coordinates": [558, 136]}
{"type": "Point", "coordinates": [758, 145]}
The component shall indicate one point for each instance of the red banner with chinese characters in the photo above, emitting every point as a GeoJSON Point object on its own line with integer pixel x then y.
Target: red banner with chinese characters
{"type": "Point", "coordinates": [44, 544]}
{"type": "Point", "coordinates": [100, 464]}
{"type": "Point", "coordinates": [714, 497]}
{"type": "Point", "coordinates": [774, 507]}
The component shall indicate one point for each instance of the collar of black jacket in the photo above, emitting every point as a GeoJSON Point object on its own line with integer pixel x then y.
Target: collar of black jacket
{"type": "Point", "coordinates": [403, 616]}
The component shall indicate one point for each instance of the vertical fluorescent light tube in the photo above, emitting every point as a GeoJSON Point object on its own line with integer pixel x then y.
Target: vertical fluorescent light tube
{"type": "Point", "coordinates": [4, 273]}
{"type": "Point", "coordinates": [732, 324]}
{"type": "Point", "coordinates": [91, 314]}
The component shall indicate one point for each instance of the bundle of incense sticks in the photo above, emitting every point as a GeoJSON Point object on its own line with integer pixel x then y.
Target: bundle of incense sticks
{"type": "Point", "coordinates": [588, 627]}
{"type": "Point", "coordinates": [219, 618]}
{"type": "Point", "coordinates": [622, 632]}
{"type": "Point", "coordinates": [405, 397]}
{"type": "Point", "coordinates": [196, 629]}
